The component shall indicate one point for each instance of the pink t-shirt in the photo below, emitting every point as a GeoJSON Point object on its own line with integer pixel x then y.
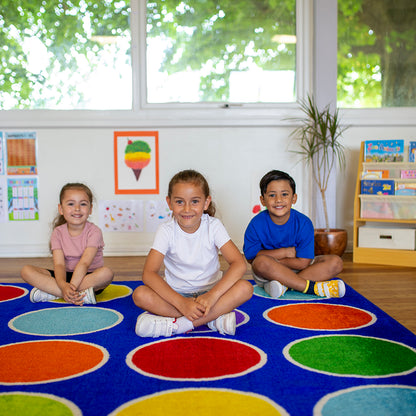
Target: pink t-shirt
{"type": "Point", "coordinates": [74, 247]}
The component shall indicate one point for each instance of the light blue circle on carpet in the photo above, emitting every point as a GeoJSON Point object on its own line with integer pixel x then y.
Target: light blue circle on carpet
{"type": "Point", "coordinates": [71, 320]}
{"type": "Point", "coordinates": [289, 295]}
{"type": "Point", "coordinates": [374, 400]}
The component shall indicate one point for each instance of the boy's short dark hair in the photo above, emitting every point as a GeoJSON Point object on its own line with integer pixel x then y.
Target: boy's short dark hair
{"type": "Point", "coordinates": [276, 175]}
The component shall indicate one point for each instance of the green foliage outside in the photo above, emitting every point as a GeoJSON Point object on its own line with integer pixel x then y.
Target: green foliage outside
{"type": "Point", "coordinates": [376, 53]}
{"type": "Point", "coordinates": [376, 42]}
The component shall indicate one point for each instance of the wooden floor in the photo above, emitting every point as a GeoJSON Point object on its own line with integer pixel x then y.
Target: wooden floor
{"type": "Point", "coordinates": [391, 288]}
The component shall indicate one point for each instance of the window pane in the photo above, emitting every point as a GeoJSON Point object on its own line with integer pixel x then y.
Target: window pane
{"type": "Point", "coordinates": [376, 53]}
{"type": "Point", "coordinates": [65, 55]}
{"type": "Point", "coordinates": [221, 50]}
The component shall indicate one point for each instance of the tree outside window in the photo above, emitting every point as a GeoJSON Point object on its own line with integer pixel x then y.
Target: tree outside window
{"type": "Point", "coordinates": [221, 51]}
{"type": "Point", "coordinates": [76, 54]}
{"type": "Point", "coordinates": [376, 53]}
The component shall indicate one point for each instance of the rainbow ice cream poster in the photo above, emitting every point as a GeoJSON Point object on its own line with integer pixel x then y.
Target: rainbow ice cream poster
{"type": "Point", "coordinates": [137, 156]}
{"type": "Point", "coordinates": [136, 162]}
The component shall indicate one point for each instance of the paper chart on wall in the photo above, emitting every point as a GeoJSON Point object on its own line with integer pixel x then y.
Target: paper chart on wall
{"type": "Point", "coordinates": [132, 215]}
{"type": "Point", "coordinates": [3, 199]}
{"type": "Point", "coordinates": [21, 153]}
{"type": "Point", "coordinates": [156, 213]}
{"type": "Point", "coordinates": [1, 154]}
{"type": "Point", "coordinates": [22, 195]}
{"type": "Point", "coordinates": [121, 216]}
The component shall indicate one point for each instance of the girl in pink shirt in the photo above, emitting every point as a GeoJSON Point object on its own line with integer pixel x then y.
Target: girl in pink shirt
{"type": "Point", "coordinates": [77, 250]}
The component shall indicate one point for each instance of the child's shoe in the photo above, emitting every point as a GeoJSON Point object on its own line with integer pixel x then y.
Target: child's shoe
{"type": "Point", "coordinates": [274, 289]}
{"type": "Point", "coordinates": [330, 288]}
{"type": "Point", "coordinates": [89, 298]}
{"type": "Point", "coordinates": [37, 295]}
{"type": "Point", "coordinates": [149, 325]}
{"type": "Point", "coordinates": [224, 324]}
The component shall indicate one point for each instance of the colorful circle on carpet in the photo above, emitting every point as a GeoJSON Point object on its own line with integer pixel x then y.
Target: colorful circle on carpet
{"type": "Point", "coordinates": [11, 292]}
{"type": "Point", "coordinates": [241, 318]}
{"type": "Point", "coordinates": [352, 356]}
{"type": "Point", "coordinates": [34, 362]}
{"type": "Point", "coordinates": [35, 404]}
{"type": "Point", "coordinates": [372, 400]}
{"type": "Point", "coordinates": [111, 292]}
{"type": "Point", "coordinates": [201, 402]}
{"type": "Point", "coordinates": [320, 316]}
{"type": "Point", "coordinates": [71, 320]}
{"type": "Point", "coordinates": [289, 295]}
{"type": "Point", "coordinates": [196, 359]}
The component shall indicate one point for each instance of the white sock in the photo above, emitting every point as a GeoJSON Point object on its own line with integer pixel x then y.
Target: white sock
{"type": "Point", "coordinates": [184, 325]}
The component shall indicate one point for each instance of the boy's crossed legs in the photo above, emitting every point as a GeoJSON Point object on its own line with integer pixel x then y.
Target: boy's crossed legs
{"type": "Point", "coordinates": [275, 277]}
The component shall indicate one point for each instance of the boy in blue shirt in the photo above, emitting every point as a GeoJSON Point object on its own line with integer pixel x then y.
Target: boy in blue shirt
{"type": "Point", "coordinates": [279, 245]}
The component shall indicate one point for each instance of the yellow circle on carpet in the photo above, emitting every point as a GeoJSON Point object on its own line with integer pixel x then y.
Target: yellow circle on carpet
{"type": "Point", "coordinates": [111, 292]}
{"type": "Point", "coordinates": [201, 402]}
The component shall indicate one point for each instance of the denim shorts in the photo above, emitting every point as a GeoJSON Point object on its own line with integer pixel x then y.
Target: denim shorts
{"type": "Point", "coordinates": [193, 294]}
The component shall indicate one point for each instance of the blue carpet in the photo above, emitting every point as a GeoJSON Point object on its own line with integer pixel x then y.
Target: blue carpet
{"type": "Point", "coordinates": [298, 355]}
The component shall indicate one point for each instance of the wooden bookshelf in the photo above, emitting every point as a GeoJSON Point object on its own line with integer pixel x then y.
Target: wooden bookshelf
{"type": "Point", "coordinates": [393, 257]}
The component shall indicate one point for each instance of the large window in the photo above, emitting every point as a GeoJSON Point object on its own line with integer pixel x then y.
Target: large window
{"type": "Point", "coordinates": [65, 55]}
{"type": "Point", "coordinates": [376, 53]}
{"type": "Point", "coordinates": [79, 54]}
{"type": "Point", "coordinates": [221, 51]}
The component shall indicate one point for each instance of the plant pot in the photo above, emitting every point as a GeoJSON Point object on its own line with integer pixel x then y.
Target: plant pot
{"type": "Point", "coordinates": [333, 241]}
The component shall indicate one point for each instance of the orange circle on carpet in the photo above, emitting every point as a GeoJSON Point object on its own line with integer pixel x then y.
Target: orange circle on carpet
{"type": "Point", "coordinates": [320, 316]}
{"type": "Point", "coordinates": [11, 292]}
{"type": "Point", "coordinates": [51, 360]}
{"type": "Point", "coordinates": [196, 359]}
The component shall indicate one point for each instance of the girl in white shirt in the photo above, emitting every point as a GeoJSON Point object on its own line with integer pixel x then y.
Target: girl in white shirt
{"type": "Point", "coordinates": [194, 291]}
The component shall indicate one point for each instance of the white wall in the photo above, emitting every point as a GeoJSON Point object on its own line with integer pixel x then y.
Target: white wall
{"type": "Point", "coordinates": [230, 158]}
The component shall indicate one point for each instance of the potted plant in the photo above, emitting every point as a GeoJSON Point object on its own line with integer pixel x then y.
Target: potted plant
{"type": "Point", "coordinates": [319, 146]}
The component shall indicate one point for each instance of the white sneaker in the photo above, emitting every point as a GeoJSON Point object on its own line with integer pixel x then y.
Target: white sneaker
{"type": "Point", "coordinates": [224, 324]}
{"type": "Point", "coordinates": [274, 289]}
{"type": "Point", "coordinates": [89, 298]}
{"type": "Point", "coordinates": [149, 325]}
{"type": "Point", "coordinates": [37, 295]}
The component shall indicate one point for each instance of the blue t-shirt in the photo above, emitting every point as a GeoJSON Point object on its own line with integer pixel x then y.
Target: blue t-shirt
{"type": "Point", "coordinates": [263, 234]}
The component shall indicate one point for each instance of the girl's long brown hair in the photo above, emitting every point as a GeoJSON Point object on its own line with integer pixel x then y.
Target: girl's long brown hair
{"type": "Point", "coordinates": [194, 177]}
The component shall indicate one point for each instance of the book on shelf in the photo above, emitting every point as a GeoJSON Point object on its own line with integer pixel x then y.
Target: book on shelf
{"type": "Point", "coordinates": [405, 188]}
{"type": "Point", "coordinates": [375, 174]}
{"type": "Point", "coordinates": [408, 174]}
{"type": "Point", "coordinates": [412, 151]}
{"type": "Point", "coordinates": [384, 151]}
{"type": "Point", "coordinates": [377, 187]}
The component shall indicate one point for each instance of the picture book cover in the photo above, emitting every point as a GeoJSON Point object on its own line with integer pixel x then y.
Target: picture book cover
{"type": "Point", "coordinates": [377, 187]}
{"type": "Point", "coordinates": [412, 151]}
{"type": "Point", "coordinates": [406, 188]}
{"type": "Point", "coordinates": [376, 173]}
{"type": "Point", "coordinates": [408, 173]}
{"type": "Point", "coordinates": [384, 151]}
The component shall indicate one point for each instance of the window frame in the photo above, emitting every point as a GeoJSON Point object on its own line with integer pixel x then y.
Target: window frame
{"type": "Point", "coordinates": [144, 114]}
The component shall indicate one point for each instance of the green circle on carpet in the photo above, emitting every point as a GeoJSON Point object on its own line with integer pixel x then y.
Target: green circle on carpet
{"type": "Point", "coordinates": [35, 404]}
{"type": "Point", "coordinates": [352, 356]}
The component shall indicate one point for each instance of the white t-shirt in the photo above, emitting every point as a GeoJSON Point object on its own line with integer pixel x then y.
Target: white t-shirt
{"type": "Point", "coordinates": [191, 260]}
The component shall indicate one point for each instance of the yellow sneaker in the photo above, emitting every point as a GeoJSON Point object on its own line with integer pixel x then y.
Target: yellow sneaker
{"type": "Point", "coordinates": [330, 289]}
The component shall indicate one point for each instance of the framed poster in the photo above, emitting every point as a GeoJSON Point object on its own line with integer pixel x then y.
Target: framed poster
{"type": "Point", "coordinates": [136, 162]}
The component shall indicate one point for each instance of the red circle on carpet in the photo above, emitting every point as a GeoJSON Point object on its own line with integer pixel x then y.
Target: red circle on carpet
{"type": "Point", "coordinates": [196, 358]}
{"type": "Point", "coordinates": [11, 292]}
{"type": "Point", "coordinates": [44, 361]}
{"type": "Point", "coordinates": [320, 316]}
